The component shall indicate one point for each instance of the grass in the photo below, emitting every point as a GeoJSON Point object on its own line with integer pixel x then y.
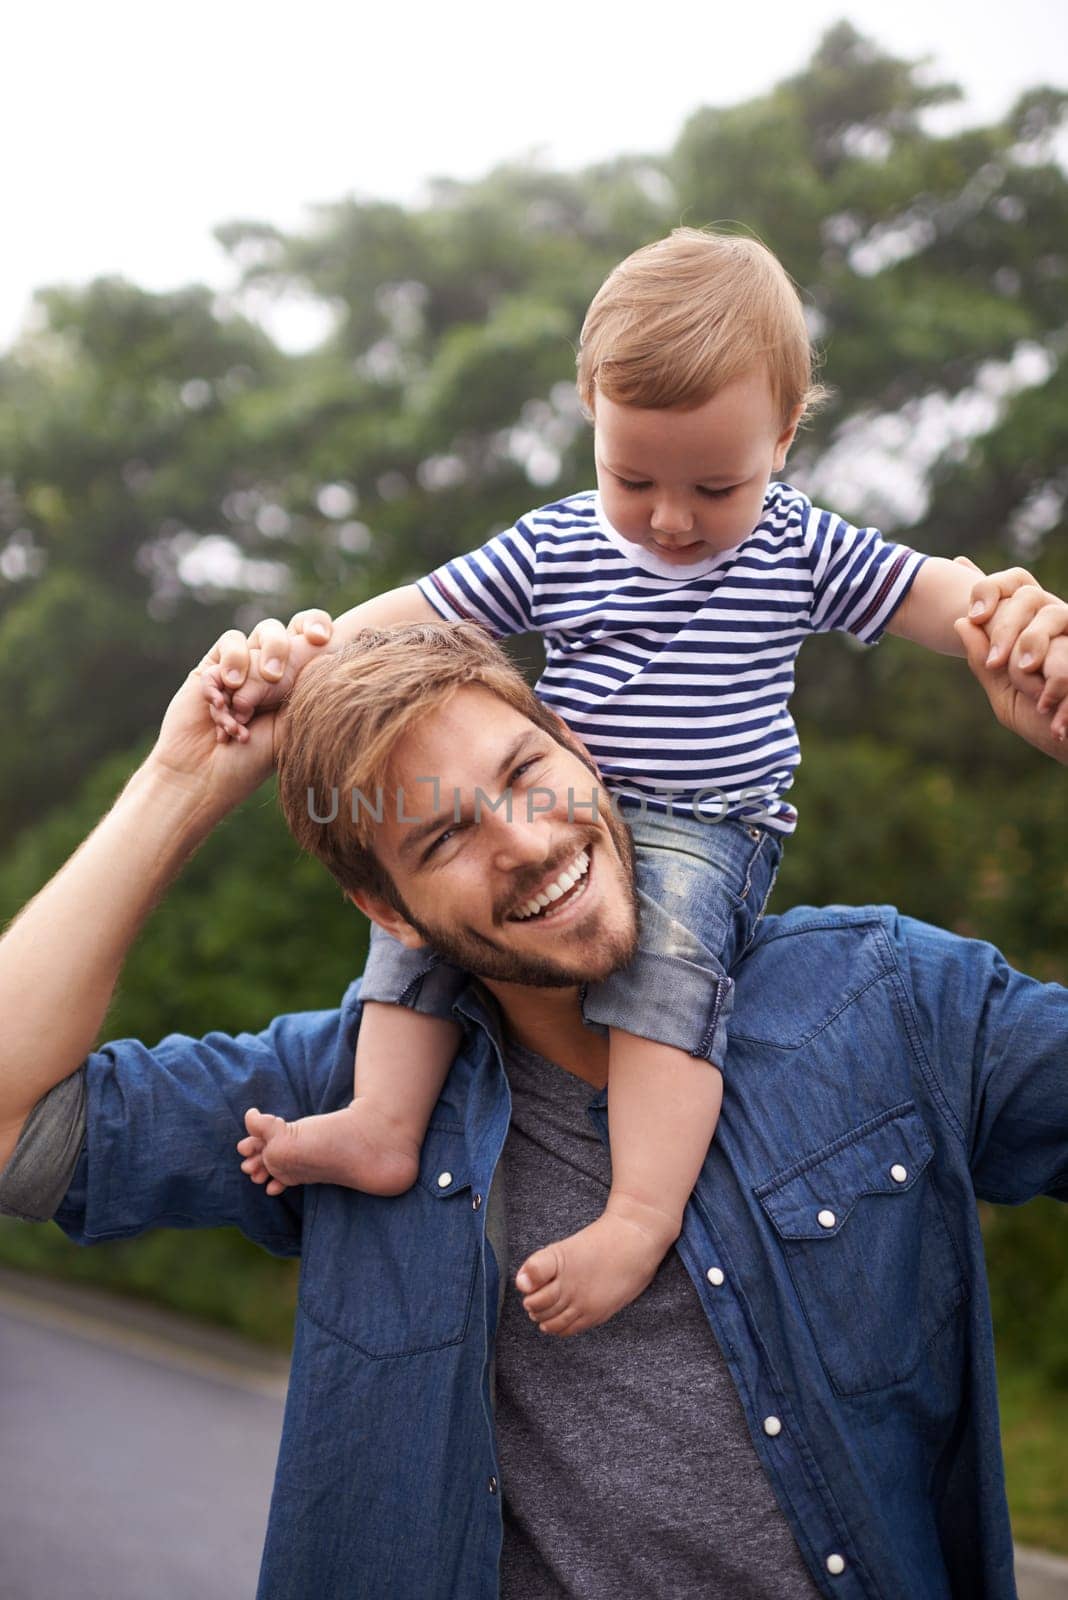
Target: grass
{"type": "Point", "coordinates": [1034, 1422]}
{"type": "Point", "coordinates": [215, 1275]}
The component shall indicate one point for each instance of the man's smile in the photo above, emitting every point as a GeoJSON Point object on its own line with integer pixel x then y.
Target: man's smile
{"type": "Point", "coordinates": [558, 892]}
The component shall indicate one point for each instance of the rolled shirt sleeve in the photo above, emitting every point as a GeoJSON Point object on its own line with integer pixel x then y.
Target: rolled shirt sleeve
{"type": "Point", "coordinates": [162, 1124]}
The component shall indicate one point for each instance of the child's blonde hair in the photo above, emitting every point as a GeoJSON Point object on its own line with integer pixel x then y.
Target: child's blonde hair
{"type": "Point", "coordinates": [679, 319]}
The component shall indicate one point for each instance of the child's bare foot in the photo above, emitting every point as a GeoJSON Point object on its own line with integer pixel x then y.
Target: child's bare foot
{"type": "Point", "coordinates": [360, 1147]}
{"type": "Point", "coordinates": [585, 1279]}
{"type": "Point", "coordinates": [252, 1149]}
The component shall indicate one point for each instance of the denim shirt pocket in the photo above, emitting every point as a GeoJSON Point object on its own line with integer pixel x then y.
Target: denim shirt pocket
{"type": "Point", "coordinates": [868, 1249]}
{"type": "Point", "coordinates": [395, 1275]}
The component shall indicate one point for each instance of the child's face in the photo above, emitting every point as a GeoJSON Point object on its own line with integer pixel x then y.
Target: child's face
{"type": "Point", "coordinates": [687, 484]}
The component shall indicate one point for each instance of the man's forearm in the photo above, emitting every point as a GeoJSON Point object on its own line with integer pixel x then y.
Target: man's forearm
{"type": "Point", "coordinates": [61, 957]}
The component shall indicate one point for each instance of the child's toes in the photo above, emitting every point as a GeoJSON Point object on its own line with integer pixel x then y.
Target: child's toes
{"type": "Point", "coordinates": [261, 1124]}
{"type": "Point", "coordinates": [566, 1323]}
{"type": "Point", "coordinates": [538, 1270]}
{"type": "Point", "coordinates": [547, 1302]}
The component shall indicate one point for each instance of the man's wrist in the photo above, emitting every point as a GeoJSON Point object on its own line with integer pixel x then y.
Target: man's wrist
{"type": "Point", "coordinates": [177, 805]}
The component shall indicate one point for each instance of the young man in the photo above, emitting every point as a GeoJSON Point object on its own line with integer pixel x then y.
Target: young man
{"type": "Point", "coordinates": [803, 1400]}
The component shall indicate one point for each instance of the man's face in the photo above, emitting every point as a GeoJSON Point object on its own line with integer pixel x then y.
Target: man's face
{"type": "Point", "coordinates": [497, 858]}
{"type": "Point", "coordinates": [686, 485]}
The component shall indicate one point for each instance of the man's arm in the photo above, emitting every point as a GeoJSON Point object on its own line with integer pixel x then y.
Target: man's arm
{"type": "Point", "coordinates": [61, 957]}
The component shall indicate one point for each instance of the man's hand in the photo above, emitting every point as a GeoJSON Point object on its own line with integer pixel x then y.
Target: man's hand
{"type": "Point", "coordinates": [191, 754]}
{"type": "Point", "coordinates": [1014, 708]}
{"type": "Point", "coordinates": [1027, 636]}
{"type": "Point", "coordinates": [240, 676]}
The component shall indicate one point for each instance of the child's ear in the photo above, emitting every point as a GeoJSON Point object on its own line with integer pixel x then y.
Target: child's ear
{"type": "Point", "coordinates": [388, 918]}
{"type": "Point", "coordinates": [786, 438]}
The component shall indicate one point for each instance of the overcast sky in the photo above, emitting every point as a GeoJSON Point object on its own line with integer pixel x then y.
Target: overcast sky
{"type": "Point", "coordinates": [130, 130]}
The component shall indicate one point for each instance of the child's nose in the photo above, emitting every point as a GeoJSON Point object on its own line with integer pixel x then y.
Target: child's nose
{"type": "Point", "coordinates": [672, 516]}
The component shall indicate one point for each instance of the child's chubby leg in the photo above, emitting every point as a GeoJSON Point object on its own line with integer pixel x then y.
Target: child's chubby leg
{"type": "Point", "coordinates": [402, 1060]}
{"type": "Point", "coordinates": [663, 1107]}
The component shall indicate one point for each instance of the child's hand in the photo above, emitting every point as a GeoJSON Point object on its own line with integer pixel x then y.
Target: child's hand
{"type": "Point", "coordinates": [1027, 630]}
{"type": "Point", "coordinates": [245, 675]}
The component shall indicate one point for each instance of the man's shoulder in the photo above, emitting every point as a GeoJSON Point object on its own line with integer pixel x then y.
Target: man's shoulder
{"type": "Point", "coordinates": [806, 964]}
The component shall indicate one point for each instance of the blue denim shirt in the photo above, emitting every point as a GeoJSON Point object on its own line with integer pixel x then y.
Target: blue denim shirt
{"type": "Point", "coordinates": [884, 1075]}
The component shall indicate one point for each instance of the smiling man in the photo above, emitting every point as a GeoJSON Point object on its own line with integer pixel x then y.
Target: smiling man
{"type": "Point", "coordinates": [803, 1400]}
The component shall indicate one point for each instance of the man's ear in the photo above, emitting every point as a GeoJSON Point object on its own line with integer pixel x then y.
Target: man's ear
{"type": "Point", "coordinates": [786, 438]}
{"type": "Point", "coordinates": [388, 918]}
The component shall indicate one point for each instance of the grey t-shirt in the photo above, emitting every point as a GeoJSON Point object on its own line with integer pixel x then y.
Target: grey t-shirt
{"type": "Point", "coordinates": [625, 1461]}
{"type": "Point", "coordinates": [42, 1164]}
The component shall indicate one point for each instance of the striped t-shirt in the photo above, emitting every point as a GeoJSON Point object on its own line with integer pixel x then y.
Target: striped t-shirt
{"type": "Point", "coordinates": [678, 679]}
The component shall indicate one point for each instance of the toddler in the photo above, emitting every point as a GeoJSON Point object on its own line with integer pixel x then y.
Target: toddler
{"type": "Point", "coordinates": [673, 601]}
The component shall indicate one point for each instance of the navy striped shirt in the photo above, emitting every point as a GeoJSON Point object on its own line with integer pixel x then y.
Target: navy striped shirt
{"type": "Point", "coordinates": [678, 679]}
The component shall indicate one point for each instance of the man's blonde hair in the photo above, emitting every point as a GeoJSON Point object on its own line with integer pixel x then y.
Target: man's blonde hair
{"type": "Point", "coordinates": [680, 319]}
{"type": "Point", "coordinates": [345, 717]}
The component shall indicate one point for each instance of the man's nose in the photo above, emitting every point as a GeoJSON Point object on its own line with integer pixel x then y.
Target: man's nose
{"type": "Point", "coordinates": [672, 515]}
{"type": "Point", "coordinates": [524, 839]}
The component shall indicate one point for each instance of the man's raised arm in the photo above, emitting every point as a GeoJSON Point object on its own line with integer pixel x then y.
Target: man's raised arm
{"type": "Point", "coordinates": [61, 957]}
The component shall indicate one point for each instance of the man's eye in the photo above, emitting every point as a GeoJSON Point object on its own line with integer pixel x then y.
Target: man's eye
{"type": "Point", "coordinates": [524, 767]}
{"type": "Point", "coordinates": [435, 844]}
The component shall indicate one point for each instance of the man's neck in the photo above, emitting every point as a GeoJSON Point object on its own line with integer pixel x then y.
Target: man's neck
{"type": "Point", "coordinates": [549, 1022]}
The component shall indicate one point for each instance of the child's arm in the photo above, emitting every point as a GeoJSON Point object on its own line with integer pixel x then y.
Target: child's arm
{"type": "Point", "coordinates": [941, 592]}
{"type": "Point", "coordinates": [254, 673]}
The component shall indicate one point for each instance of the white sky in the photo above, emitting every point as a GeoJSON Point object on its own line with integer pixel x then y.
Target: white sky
{"type": "Point", "coordinates": [130, 130]}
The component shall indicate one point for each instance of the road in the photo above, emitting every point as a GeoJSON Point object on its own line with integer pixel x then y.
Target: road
{"type": "Point", "coordinates": [137, 1453]}
{"type": "Point", "coordinates": [134, 1465]}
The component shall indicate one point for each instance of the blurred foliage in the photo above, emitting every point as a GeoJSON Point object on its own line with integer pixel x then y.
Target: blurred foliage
{"type": "Point", "coordinates": [166, 470]}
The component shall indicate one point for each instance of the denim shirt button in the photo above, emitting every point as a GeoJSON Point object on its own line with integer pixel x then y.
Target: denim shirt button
{"type": "Point", "coordinates": [476, 1202]}
{"type": "Point", "coordinates": [444, 1179]}
{"type": "Point", "coordinates": [772, 1426]}
{"type": "Point", "coordinates": [714, 1276]}
{"type": "Point", "coordinates": [492, 1484]}
{"type": "Point", "coordinates": [835, 1565]}
{"type": "Point", "coordinates": [898, 1173]}
{"type": "Point", "coordinates": [826, 1219]}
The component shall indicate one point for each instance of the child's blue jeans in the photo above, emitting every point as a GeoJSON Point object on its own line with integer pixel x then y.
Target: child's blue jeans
{"type": "Point", "coordinates": [702, 888]}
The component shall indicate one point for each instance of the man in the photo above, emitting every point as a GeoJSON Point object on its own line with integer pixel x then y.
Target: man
{"type": "Point", "coordinates": [802, 1403]}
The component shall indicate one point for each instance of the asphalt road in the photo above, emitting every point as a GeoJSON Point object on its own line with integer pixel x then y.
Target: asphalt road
{"type": "Point", "coordinates": [137, 1454]}
{"type": "Point", "coordinates": [132, 1465]}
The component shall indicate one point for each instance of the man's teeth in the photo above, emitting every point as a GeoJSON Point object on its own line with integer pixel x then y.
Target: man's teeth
{"type": "Point", "coordinates": [555, 890]}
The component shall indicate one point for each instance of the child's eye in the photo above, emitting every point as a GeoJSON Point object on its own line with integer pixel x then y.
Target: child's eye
{"type": "Point", "coordinates": [716, 494]}
{"type": "Point", "coordinates": [630, 483]}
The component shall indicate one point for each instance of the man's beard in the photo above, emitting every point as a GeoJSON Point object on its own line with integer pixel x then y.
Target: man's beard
{"type": "Point", "coordinates": [605, 951]}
